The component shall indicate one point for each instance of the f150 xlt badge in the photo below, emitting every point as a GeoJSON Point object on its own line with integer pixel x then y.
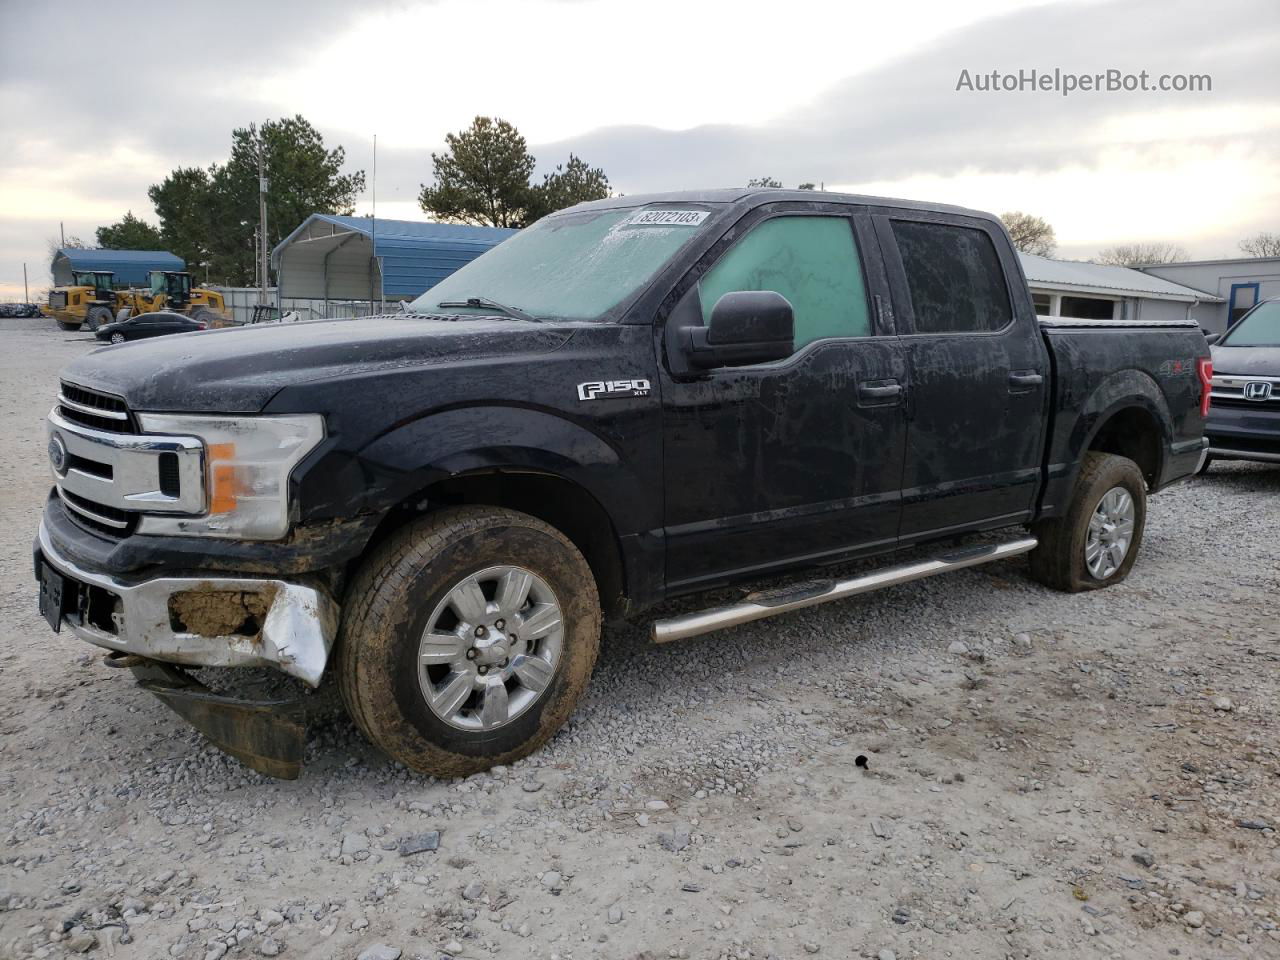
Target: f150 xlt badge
{"type": "Point", "coordinates": [595, 389]}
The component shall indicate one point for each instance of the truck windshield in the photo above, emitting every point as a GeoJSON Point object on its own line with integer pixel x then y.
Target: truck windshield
{"type": "Point", "coordinates": [574, 266]}
{"type": "Point", "coordinates": [1260, 328]}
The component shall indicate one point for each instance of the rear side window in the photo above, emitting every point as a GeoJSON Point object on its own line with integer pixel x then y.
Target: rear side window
{"type": "Point", "coordinates": [812, 261]}
{"type": "Point", "coordinates": [954, 278]}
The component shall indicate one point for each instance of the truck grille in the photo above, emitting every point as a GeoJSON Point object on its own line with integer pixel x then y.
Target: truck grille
{"type": "Point", "coordinates": [101, 411]}
{"type": "Point", "coordinates": [108, 473]}
{"type": "Point", "coordinates": [1240, 390]}
{"type": "Point", "coordinates": [57, 299]}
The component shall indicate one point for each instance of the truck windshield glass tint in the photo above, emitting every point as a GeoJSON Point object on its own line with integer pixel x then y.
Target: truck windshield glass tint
{"type": "Point", "coordinates": [1261, 328]}
{"type": "Point", "coordinates": [574, 267]}
{"type": "Point", "coordinates": [812, 261]}
{"type": "Point", "coordinates": [954, 277]}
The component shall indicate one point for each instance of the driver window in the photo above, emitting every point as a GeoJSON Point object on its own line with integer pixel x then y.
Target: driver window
{"type": "Point", "coordinates": [812, 261]}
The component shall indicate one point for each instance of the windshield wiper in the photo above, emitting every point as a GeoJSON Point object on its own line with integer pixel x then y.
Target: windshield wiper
{"type": "Point", "coordinates": [478, 302]}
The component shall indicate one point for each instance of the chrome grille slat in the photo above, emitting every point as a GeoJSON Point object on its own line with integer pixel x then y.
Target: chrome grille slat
{"type": "Point", "coordinates": [91, 515]}
{"type": "Point", "coordinates": [65, 401]}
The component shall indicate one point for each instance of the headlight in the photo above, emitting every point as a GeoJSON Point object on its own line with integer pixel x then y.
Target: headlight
{"type": "Point", "coordinates": [246, 472]}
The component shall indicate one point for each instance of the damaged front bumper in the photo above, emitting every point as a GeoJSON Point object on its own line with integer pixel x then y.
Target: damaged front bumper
{"type": "Point", "coordinates": [194, 621]}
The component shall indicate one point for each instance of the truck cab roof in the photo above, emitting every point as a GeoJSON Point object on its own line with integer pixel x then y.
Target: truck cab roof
{"type": "Point", "coordinates": [748, 197]}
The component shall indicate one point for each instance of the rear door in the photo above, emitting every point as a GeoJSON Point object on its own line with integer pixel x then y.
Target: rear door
{"type": "Point", "coordinates": [979, 372]}
{"type": "Point", "coordinates": [795, 461]}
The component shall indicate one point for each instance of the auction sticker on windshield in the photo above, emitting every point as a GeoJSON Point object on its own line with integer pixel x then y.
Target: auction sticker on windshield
{"type": "Point", "coordinates": [667, 218]}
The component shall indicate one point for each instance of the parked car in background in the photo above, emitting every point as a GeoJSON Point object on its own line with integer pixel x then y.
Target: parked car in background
{"type": "Point", "coordinates": [1244, 416]}
{"type": "Point", "coordinates": [148, 325]}
{"type": "Point", "coordinates": [19, 310]}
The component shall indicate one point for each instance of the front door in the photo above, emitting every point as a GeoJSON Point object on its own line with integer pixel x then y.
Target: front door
{"type": "Point", "coordinates": [979, 375]}
{"type": "Point", "coordinates": [795, 461]}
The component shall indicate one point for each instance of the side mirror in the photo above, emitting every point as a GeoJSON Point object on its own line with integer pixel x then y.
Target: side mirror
{"type": "Point", "coordinates": [1212, 338]}
{"type": "Point", "coordinates": [746, 326]}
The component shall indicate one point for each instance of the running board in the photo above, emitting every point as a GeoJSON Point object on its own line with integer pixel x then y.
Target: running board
{"type": "Point", "coordinates": [770, 603]}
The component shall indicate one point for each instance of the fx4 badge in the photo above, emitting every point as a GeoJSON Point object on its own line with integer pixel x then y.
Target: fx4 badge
{"type": "Point", "coordinates": [613, 388]}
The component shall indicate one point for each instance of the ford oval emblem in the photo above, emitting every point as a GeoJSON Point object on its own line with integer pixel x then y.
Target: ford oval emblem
{"type": "Point", "coordinates": [58, 454]}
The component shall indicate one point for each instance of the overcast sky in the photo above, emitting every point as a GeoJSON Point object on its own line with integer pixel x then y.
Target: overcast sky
{"type": "Point", "coordinates": [664, 94]}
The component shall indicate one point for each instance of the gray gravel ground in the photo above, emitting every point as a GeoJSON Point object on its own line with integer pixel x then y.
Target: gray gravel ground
{"type": "Point", "coordinates": [1049, 775]}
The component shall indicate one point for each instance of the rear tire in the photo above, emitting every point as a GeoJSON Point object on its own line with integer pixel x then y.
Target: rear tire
{"type": "Point", "coordinates": [404, 632]}
{"type": "Point", "coordinates": [70, 326]}
{"type": "Point", "coordinates": [1090, 546]}
{"type": "Point", "coordinates": [210, 318]}
{"type": "Point", "coordinates": [117, 338]}
{"type": "Point", "coordinates": [96, 317]}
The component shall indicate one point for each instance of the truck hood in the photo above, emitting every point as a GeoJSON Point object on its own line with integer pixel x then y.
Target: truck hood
{"type": "Point", "coordinates": [238, 370]}
{"type": "Point", "coordinates": [1246, 361]}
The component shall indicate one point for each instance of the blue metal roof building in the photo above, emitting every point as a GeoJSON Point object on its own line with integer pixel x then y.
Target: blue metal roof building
{"type": "Point", "coordinates": [352, 258]}
{"type": "Point", "coordinates": [131, 267]}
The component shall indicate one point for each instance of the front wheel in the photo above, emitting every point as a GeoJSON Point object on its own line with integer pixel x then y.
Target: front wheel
{"type": "Point", "coordinates": [1095, 543]}
{"type": "Point", "coordinates": [96, 317]}
{"type": "Point", "coordinates": [117, 338]}
{"type": "Point", "coordinates": [467, 639]}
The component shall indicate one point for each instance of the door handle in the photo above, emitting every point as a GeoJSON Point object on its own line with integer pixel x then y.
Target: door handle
{"type": "Point", "coordinates": [1025, 380]}
{"type": "Point", "coordinates": [879, 391]}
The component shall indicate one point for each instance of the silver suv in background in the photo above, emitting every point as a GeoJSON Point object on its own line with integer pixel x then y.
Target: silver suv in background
{"type": "Point", "coordinates": [1244, 415]}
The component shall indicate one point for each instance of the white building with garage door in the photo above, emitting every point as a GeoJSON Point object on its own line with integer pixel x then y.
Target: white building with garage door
{"type": "Point", "coordinates": [1093, 291]}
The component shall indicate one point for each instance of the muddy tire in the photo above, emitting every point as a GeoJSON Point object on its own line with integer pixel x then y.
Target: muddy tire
{"type": "Point", "coordinates": [1096, 542]}
{"type": "Point", "coordinates": [444, 612]}
{"type": "Point", "coordinates": [70, 326]}
{"type": "Point", "coordinates": [96, 317]}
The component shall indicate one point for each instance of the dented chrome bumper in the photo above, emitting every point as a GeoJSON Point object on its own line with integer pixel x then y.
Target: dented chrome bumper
{"type": "Point", "coordinates": [289, 626]}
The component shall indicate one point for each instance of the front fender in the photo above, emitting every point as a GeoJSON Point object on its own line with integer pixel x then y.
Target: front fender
{"type": "Point", "coordinates": [500, 437]}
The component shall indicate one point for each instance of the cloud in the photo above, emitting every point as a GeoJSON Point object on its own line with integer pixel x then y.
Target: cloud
{"type": "Point", "coordinates": [158, 85]}
{"type": "Point", "coordinates": [905, 118]}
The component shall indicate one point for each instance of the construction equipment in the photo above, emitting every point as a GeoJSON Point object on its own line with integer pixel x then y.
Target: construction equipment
{"type": "Point", "coordinates": [92, 300]}
{"type": "Point", "coordinates": [90, 291]}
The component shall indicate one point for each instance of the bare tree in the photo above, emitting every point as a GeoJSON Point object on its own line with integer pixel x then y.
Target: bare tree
{"type": "Point", "coordinates": [1029, 233]}
{"type": "Point", "coordinates": [1133, 254]}
{"type": "Point", "coordinates": [71, 243]}
{"type": "Point", "coordinates": [1262, 245]}
{"type": "Point", "coordinates": [764, 182]}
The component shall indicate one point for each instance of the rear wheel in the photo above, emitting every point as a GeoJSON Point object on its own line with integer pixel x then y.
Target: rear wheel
{"type": "Point", "coordinates": [1095, 543]}
{"type": "Point", "coordinates": [210, 318]}
{"type": "Point", "coordinates": [69, 325]}
{"type": "Point", "coordinates": [467, 639]}
{"type": "Point", "coordinates": [96, 317]}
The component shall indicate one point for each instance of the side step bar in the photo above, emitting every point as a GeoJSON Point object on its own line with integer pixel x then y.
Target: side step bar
{"type": "Point", "coordinates": [770, 603]}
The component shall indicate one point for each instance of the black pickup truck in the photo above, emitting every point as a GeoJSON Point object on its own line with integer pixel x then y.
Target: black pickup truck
{"type": "Point", "coordinates": [633, 399]}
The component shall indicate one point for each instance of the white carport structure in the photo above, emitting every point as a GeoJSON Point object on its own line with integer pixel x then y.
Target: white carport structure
{"type": "Point", "coordinates": [357, 258]}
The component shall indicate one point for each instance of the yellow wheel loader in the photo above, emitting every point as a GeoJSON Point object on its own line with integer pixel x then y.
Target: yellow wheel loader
{"type": "Point", "coordinates": [92, 300]}
{"type": "Point", "coordinates": [90, 292]}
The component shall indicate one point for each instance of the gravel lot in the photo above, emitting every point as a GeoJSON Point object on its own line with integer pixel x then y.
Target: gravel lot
{"type": "Point", "coordinates": [1048, 775]}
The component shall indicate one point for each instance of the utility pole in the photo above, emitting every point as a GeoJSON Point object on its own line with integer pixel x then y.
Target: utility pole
{"type": "Point", "coordinates": [26, 294]}
{"type": "Point", "coordinates": [62, 232]}
{"type": "Point", "coordinates": [373, 240]}
{"type": "Point", "coordinates": [263, 264]}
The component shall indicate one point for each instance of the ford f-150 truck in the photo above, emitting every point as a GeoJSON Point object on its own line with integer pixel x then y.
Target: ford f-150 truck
{"type": "Point", "coordinates": [632, 400]}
